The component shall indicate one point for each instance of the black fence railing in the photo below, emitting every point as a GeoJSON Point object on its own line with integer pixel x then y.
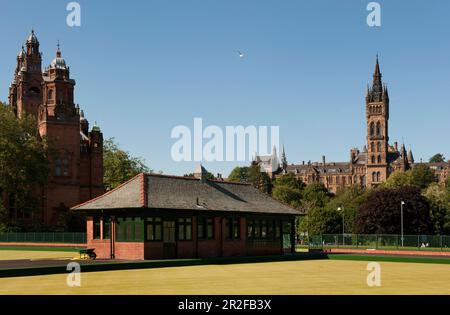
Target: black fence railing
{"type": "Point", "coordinates": [379, 241]}
{"type": "Point", "coordinates": [50, 237]}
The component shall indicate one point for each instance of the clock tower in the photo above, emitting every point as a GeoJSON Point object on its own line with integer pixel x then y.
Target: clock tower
{"type": "Point", "coordinates": [377, 117]}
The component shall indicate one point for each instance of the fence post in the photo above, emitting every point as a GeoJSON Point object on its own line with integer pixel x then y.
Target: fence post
{"type": "Point", "coordinates": [418, 242]}
{"type": "Point", "coordinates": [376, 241]}
{"type": "Point", "coordinates": [356, 240]}
{"type": "Point", "coordinates": [442, 244]}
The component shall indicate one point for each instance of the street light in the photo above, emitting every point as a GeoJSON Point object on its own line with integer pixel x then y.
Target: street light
{"type": "Point", "coordinates": [343, 224]}
{"type": "Point", "coordinates": [401, 217]}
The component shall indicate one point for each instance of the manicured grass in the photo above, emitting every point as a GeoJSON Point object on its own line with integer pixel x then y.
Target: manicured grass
{"type": "Point", "coordinates": [286, 277]}
{"type": "Point", "coordinates": [7, 254]}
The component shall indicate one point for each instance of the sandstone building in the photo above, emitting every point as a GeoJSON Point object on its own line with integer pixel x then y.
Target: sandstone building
{"type": "Point", "coordinates": [367, 168]}
{"type": "Point", "coordinates": [76, 162]}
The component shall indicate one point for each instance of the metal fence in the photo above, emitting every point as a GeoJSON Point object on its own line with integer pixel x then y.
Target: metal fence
{"type": "Point", "coordinates": [53, 237]}
{"type": "Point", "coordinates": [386, 242]}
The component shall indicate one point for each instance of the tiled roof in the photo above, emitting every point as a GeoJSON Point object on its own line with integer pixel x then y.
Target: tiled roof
{"type": "Point", "coordinates": [186, 193]}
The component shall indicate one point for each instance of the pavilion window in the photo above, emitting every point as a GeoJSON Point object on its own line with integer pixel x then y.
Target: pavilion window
{"type": "Point", "coordinates": [232, 228]}
{"type": "Point", "coordinates": [270, 229]}
{"type": "Point", "coordinates": [153, 229]}
{"type": "Point", "coordinates": [205, 228]}
{"type": "Point", "coordinates": [263, 228]}
{"type": "Point", "coordinates": [96, 226]}
{"type": "Point", "coordinates": [106, 228]}
{"type": "Point", "coordinates": [257, 229]}
{"type": "Point", "coordinates": [120, 226]}
{"type": "Point", "coordinates": [184, 229]}
{"type": "Point", "coordinates": [236, 229]}
{"type": "Point", "coordinates": [250, 228]}
{"type": "Point", "coordinates": [277, 229]}
{"type": "Point", "coordinates": [129, 229]}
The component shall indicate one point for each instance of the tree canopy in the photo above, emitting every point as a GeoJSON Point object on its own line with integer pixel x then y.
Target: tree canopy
{"type": "Point", "coordinates": [23, 159]}
{"type": "Point", "coordinates": [420, 176]}
{"type": "Point", "coordinates": [252, 175]}
{"type": "Point", "coordinates": [380, 212]}
{"type": "Point", "coordinates": [119, 165]}
{"type": "Point", "coordinates": [288, 190]}
{"type": "Point", "coordinates": [437, 158]}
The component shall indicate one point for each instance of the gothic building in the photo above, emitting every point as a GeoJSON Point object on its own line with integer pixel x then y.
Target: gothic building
{"type": "Point", "coordinates": [367, 168]}
{"type": "Point", "coordinates": [76, 153]}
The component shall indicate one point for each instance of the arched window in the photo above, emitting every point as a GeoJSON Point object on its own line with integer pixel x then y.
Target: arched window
{"type": "Point", "coordinates": [372, 129]}
{"type": "Point", "coordinates": [65, 164]}
{"type": "Point", "coordinates": [58, 170]}
{"type": "Point", "coordinates": [379, 159]}
{"type": "Point", "coordinates": [378, 177]}
{"type": "Point", "coordinates": [62, 167]}
{"type": "Point", "coordinates": [378, 147]}
{"type": "Point", "coordinates": [50, 94]}
{"type": "Point", "coordinates": [373, 159]}
{"type": "Point", "coordinates": [378, 129]}
{"type": "Point", "coordinates": [374, 177]}
{"type": "Point", "coordinates": [372, 147]}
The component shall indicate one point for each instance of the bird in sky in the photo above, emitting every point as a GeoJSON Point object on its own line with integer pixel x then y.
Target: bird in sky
{"type": "Point", "coordinates": [241, 55]}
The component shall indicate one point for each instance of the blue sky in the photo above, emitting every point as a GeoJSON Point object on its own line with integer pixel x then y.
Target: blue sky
{"type": "Point", "coordinates": [144, 67]}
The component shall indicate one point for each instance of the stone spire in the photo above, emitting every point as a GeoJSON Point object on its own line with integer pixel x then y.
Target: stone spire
{"type": "Point", "coordinates": [283, 158]}
{"type": "Point", "coordinates": [410, 156]}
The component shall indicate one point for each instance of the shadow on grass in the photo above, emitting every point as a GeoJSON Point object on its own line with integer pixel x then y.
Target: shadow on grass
{"type": "Point", "coordinates": [92, 266]}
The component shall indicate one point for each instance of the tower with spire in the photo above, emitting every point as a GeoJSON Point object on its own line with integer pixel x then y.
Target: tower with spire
{"type": "Point", "coordinates": [377, 118]}
{"type": "Point", "coordinates": [76, 157]}
{"type": "Point", "coordinates": [25, 91]}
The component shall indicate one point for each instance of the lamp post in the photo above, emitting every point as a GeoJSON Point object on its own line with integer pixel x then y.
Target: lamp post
{"type": "Point", "coordinates": [401, 217]}
{"type": "Point", "coordinates": [343, 223]}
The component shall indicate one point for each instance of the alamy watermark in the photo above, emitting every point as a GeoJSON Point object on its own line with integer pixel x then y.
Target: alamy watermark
{"type": "Point", "coordinates": [74, 277]}
{"type": "Point", "coordinates": [236, 143]}
{"type": "Point", "coordinates": [374, 17]}
{"type": "Point", "coordinates": [374, 277]}
{"type": "Point", "coordinates": [74, 16]}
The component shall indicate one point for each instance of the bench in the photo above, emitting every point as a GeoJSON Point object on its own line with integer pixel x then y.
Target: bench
{"type": "Point", "coordinates": [88, 253]}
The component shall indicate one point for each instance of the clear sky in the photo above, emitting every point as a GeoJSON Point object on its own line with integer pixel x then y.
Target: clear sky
{"type": "Point", "coordinates": [144, 67]}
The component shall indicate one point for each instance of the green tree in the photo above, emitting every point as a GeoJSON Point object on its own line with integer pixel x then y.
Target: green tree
{"type": "Point", "coordinates": [239, 174]}
{"type": "Point", "coordinates": [398, 179]}
{"type": "Point", "coordinates": [288, 189]}
{"type": "Point", "coordinates": [439, 200]}
{"type": "Point", "coordinates": [260, 180]}
{"type": "Point", "coordinates": [380, 212]}
{"type": "Point", "coordinates": [320, 221]}
{"type": "Point", "coordinates": [23, 160]}
{"type": "Point", "coordinates": [422, 176]}
{"type": "Point", "coordinates": [316, 194]}
{"type": "Point", "coordinates": [437, 158]}
{"type": "Point", "coordinates": [251, 175]}
{"type": "Point", "coordinates": [348, 200]}
{"type": "Point", "coordinates": [119, 165]}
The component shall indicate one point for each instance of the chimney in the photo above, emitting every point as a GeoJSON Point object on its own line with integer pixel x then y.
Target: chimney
{"type": "Point", "coordinates": [323, 160]}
